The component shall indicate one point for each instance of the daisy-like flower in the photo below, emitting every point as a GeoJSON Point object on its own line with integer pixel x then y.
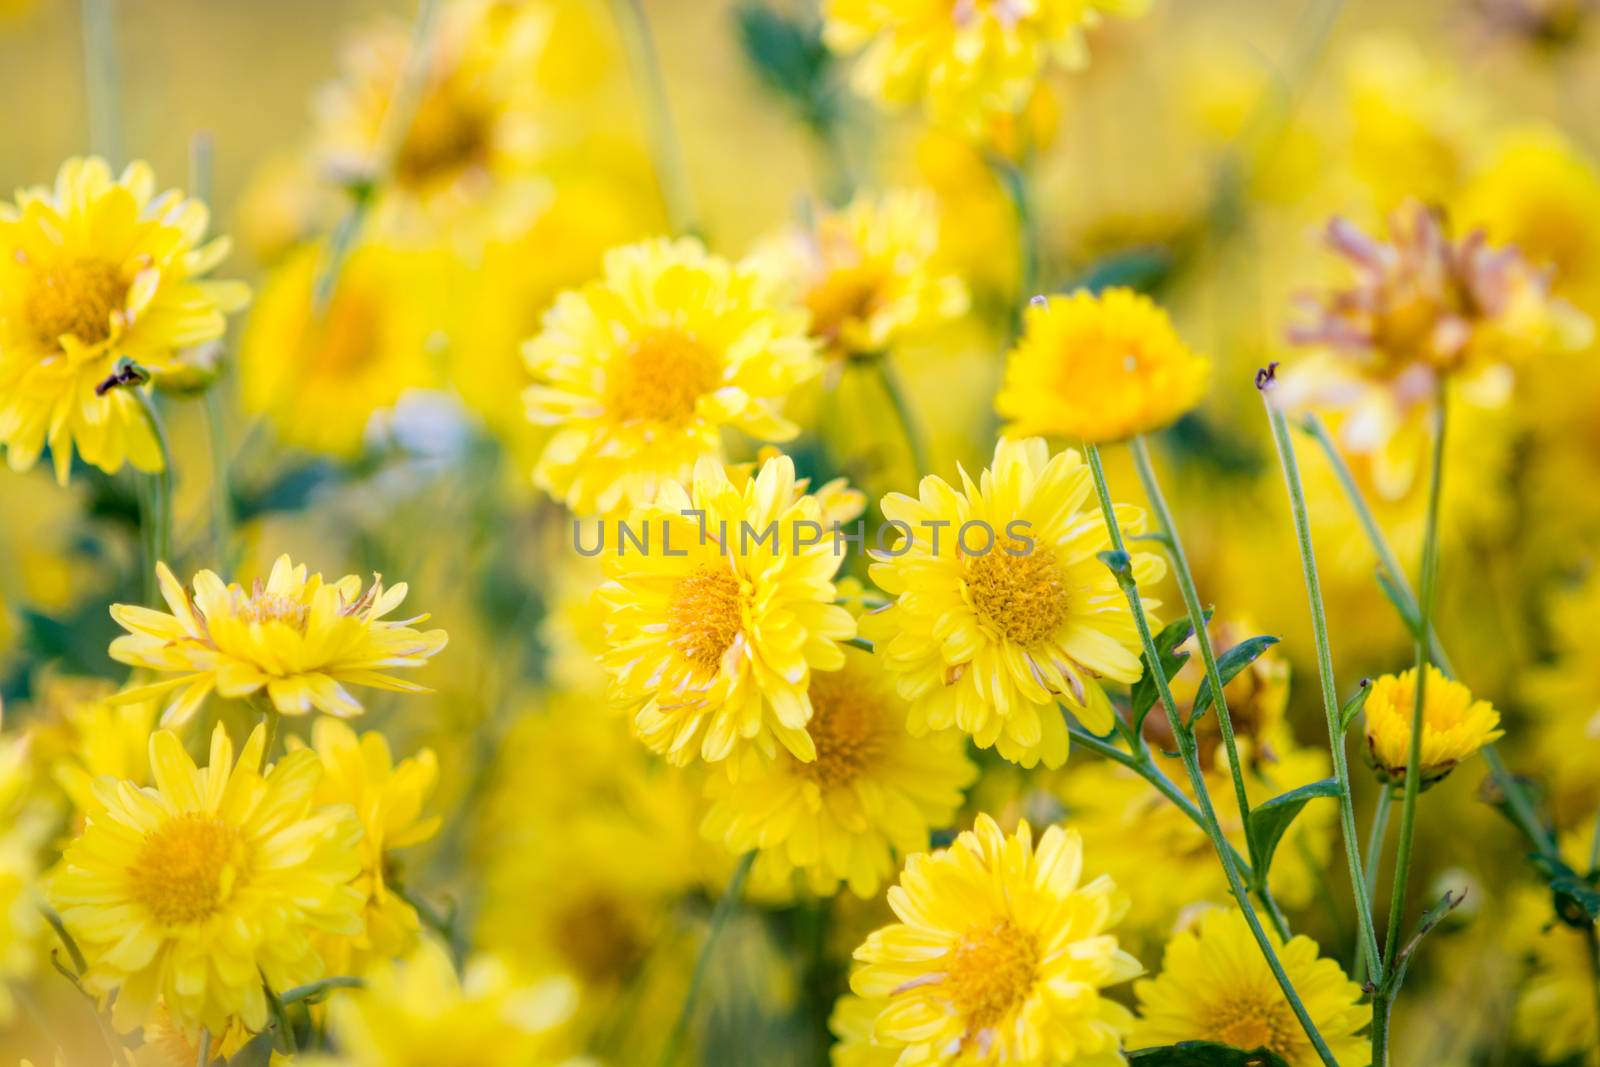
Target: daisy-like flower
{"type": "Point", "coordinates": [1002, 606]}
{"type": "Point", "coordinates": [868, 273]}
{"type": "Point", "coordinates": [1454, 725]}
{"type": "Point", "coordinates": [388, 798]}
{"type": "Point", "coordinates": [96, 269]}
{"type": "Point", "coordinates": [871, 795]}
{"type": "Point", "coordinates": [295, 636]}
{"type": "Point", "coordinates": [999, 955]}
{"type": "Point", "coordinates": [638, 373]}
{"type": "Point", "coordinates": [197, 889]}
{"type": "Point", "coordinates": [1215, 985]}
{"type": "Point", "coordinates": [713, 638]}
{"type": "Point", "coordinates": [965, 59]}
{"type": "Point", "coordinates": [1099, 367]}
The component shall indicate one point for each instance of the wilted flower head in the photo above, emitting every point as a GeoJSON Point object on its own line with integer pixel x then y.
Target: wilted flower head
{"type": "Point", "coordinates": [1454, 725]}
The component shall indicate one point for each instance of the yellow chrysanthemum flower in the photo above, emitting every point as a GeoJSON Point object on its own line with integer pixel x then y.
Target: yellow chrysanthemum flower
{"type": "Point", "coordinates": [871, 795]}
{"type": "Point", "coordinates": [1002, 606]}
{"type": "Point", "coordinates": [320, 376]}
{"type": "Point", "coordinates": [1099, 368]}
{"type": "Point", "coordinates": [388, 798]}
{"type": "Point", "coordinates": [1215, 985]}
{"type": "Point", "coordinates": [1555, 1014]}
{"type": "Point", "coordinates": [962, 60]}
{"type": "Point", "coordinates": [81, 733]}
{"type": "Point", "coordinates": [200, 888]}
{"type": "Point", "coordinates": [640, 371]}
{"type": "Point", "coordinates": [22, 832]}
{"type": "Point", "coordinates": [297, 637]}
{"type": "Point", "coordinates": [851, 1023]}
{"type": "Point", "coordinates": [869, 275]}
{"type": "Point", "coordinates": [714, 637]}
{"type": "Point", "coordinates": [999, 955]}
{"type": "Point", "coordinates": [1454, 725]}
{"type": "Point", "coordinates": [97, 269]}
{"type": "Point", "coordinates": [419, 1012]}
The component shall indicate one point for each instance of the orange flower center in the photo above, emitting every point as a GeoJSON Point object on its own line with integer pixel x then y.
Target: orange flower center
{"type": "Point", "coordinates": [844, 296]}
{"type": "Point", "coordinates": [705, 615]}
{"type": "Point", "coordinates": [1024, 597]}
{"type": "Point", "coordinates": [659, 377]}
{"type": "Point", "coordinates": [1250, 1022]}
{"type": "Point", "coordinates": [77, 298]}
{"type": "Point", "coordinates": [847, 727]}
{"type": "Point", "coordinates": [600, 940]}
{"type": "Point", "coordinates": [187, 868]}
{"type": "Point", "coordinates": [991, 973]}
{"type": "Point", "coordinates": [448, 135]}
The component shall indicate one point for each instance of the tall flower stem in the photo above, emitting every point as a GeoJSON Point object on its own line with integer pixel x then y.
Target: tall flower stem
{"type": "Point", "coordinates": [1375, 839]}
{"type": "Point", "coordinates": [1014, 180]}
{"type": "Point", "coordinates": [1518, 804]}
{"type": "Point", "coordinates": [102, 77]}
{"type": "Point", "coordinates": [155, 498]}
{"type": "Point", "coordinates": [902, 411]}
{"type": "Point", "coordinates": [1330, 694]}
{"type": "Point", "coordinates": [719, 919]}
{"type": "Point", "coordinates": [1389, 988]}
{"type": "Point", "coordinates": [665, 147]}
{"type": "Point", "coordinates": [1191, 761]}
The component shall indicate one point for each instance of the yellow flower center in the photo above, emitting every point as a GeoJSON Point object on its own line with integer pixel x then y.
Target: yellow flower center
{"type": "Point", "coordinates": [77, 298]}
{"type": "Point", "coordinates": [992, 973]}
{"type": "Point", "coordinates": [447, 135]}
{"type": "Point", "coordinates": [1022, 596]}
{"type": "Point", "coordinates": [1249, 1022]}
{"type": "Point", "coordinates": [847, 728]}
{"type": "Point", "coordinates": [599, 940]}
{"type": "Point", "coordinates": [843, 296]}
{"type": "Point", "coordinates": [346, 339]}
{"type": "Point", "coordinates": [659, 377]}
{"type": "Point", "coordinates": [273, 607]}
{"type": "Point", "coordinates": [187, 868]}
{"type": "Point", "coordinates": [704, 616]}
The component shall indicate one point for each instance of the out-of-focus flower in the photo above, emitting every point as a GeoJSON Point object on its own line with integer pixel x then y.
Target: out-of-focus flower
{"type": "Point", "coordinates": [1555, 1013]}
{"type": "Point", "coordinates": [201, 887]}
{"type": "Point", "coordinates": [418, 1011]}
{"type": "Point", "coordinates": [320, 374]}
{"type": "Point", "coordinates": [97, 269]}
{"type": "Point", "coordinates": [999, 955]}
{"type": "Point", "coordinates": [962, 60]}
{"type": "Point", "coordinates": [296, 636]}
{"type": "Point", "coordinates": [1099, 367]}
{"type": "Point", "coordinates": [1256, 697]}
{"type": "Point", "coordinates": [22, 831]}
{"type": "Point", "coordinates": [1215, 985]}
{"type": "Point", "coordinates": [713, 638]}
{"type": "Point", "coordinates": [1002, 606]}
{"type": "Point", "coordinates": [639, 372]}
{"type": "Point", "coordinates": [79, 734]}
{"type": "Point", "coordinates": [1543, 23]}
{"type": "Point", "coordinates": [1566, 693]}
{"type": "Point", "coordinates": [869, 275]}
{"type": "Point", "coordinates": [388, 798]}
{"type": "Point", "coordinates": [871, 795]}
{"type": "Point", "coordinates": [1454, 725]}
{"type": "Point", "coordinates": [851, 1023]}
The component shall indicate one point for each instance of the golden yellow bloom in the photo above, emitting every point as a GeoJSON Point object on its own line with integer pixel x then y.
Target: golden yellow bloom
{"type": "Point", "coordinates": [96, 269]}
{"type": "Point", "coordinates": [868, 273]}
{"type": "Point", "coordinates": [419, 1013]}
{"type": "Point", "coordinates": [201, 887]}
{"type": "Point", "coordinates": [1454, 725]}
{"type": "Point", "coordinates": [388, 798]}
{"type": "Point", "coordinates": [1215, 985]}
{"type": "Point", "coordinates": [712, 643]}
{"type": "Point", "coordinates": [1555, 1013]}
{"type": "Point", "coordinates": [321, 376]}
{"type": "Point", "coordinates": [1099, 368]}
{"type": "Point", "coordinates": [962, 59]}
{"type": "Point", "coordinates": [999, 955]}
{"type": "Point", "coordinates": [1002, 606]}
{"type": "Point", "coordinates": [871, 795]}
{"type": "Point", "coordinates": [298, 637]}
{"type": "Point", "coordinates": [640, 371]}
{"type": "Point", "coordinates": [81, 733]}
{"type": "Point", "coordinates": [851, 1024]}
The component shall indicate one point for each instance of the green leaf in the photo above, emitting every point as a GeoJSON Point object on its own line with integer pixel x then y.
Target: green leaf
{"type": "Point", "coordinates": [1144, 269]}
{"type": "Point", "coordinates": [1430, 918]}
{"type": "Point", "coordinates": [257, 1052]}
{"type": "Point", "coordinates": [1143, 694]}
{"type": "Point", "coordinates": [789, 57]}
{"type": "Point", "coordinates": [1204, 1054]}
{"type": "Point", "coordinates": [1353, 706]}
{"type": "Point", "coordinates": [1229, 664]}
{"type": "Point", "coordinates": [1576, 901]}
{"type": "Point", "coordinates": [1270, 821]}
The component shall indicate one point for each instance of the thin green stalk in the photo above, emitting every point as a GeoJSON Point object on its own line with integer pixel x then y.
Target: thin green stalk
{"type": "Point", "coordinates": [280, 1015]}
{"type": "Point", "coordinates": [155, 518]}
{"type": "Point", "coordinates": [1015, 181]}
{"type": "Point", "coordinates": [1413, 785]}
{"type": "Point", "coordinates": [1519, 805]}
{"type": "Point", "coordinates": [1330, 693]}
{"type": "Point", "coordinates": [312, 990]}
{"type": "Point", "coordinates": [102, 77]}
{"type": "Point", "coordinates": [1593, 938]}
{"type": "Point", "coordinates": [270, 718]}
{"type": "Point", "coordinates": [719, 919]}
{"type": "Point", "coordinates": [1375, 838]}
{"type": "Point", "coordinates": [1594, 846]}
{"type": "Point", "coordinates": [203, 1058]}
{"type": "Point", "coordinates": [902, 412]}
{"type": "Point", "coordinates": [1191, 761]}
{"type": "Point", "coordinates": [1197, 619]}
{"type": "Point", "coordinates": [665, 147]}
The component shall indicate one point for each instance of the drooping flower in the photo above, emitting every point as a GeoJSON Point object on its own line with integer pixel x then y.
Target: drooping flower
{"type": "Point", "coordinates": [1215, 985]}
{"type": "Point", "coordinates": [1002, 606]}
{"type": "Point", "coordinates": [97, 269]}
{"type": "Point", "coordinates": [999, 955]}
{"type": "Point", "coordinates": [295, 636]}
{"type": "Point", "coordinates": [200, 888]}
{"type": "Point", "coordinates": [1098, 367]}
{"type": "Point", "coordinates": [714, 636]}
{"type": "Point", "coordinates": [1454, 725]}
{"type": "Point", "coordinates": [638, 373]}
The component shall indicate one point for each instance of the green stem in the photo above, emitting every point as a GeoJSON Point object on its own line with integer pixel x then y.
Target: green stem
{"type": "Point", "coordinates": [271, 718]}
{"type": "Point", "coordinates": [1018, 189]}
{"type": "Point", "coordinates": [280, 1015]}
{"type": "Point", "coordinates": [666, 149]}
{"type": "Point", "coordinates": [1519, 806]}
{"type": "Point", "coordinates": [203, 1058]}
{"type": "Point", "coordinates": [1380, 829]}
{"type": "Point", "coordinates": [902, 411]}
{"type": "Point", "coordinates": [719, 919]}
{"type": "Point", "coordinates": [51, 916]}
{"type": "Point", "coordinates": [1191, 761]}
{"type": "Point", "coordinates": [102, 78]}
{"type": "Point", "coordinates": [312, 990]}
{"type": "Point", "coordinates": [1330, 693]}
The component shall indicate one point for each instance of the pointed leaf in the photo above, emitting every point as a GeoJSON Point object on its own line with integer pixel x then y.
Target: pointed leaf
{"type": "Point", "coordinates": [1204, 1054]}
{"type": "Point", "coordinates": [1229, 664]}
{"type": "Point", "coordinates": [1270, 821]}
{"type": "Point", "coordinates": [1143, 694]}
{"type": "Point", "coordinates": [257, 1052]}
{"type": "Point", "coordinates": [1353, 706]}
